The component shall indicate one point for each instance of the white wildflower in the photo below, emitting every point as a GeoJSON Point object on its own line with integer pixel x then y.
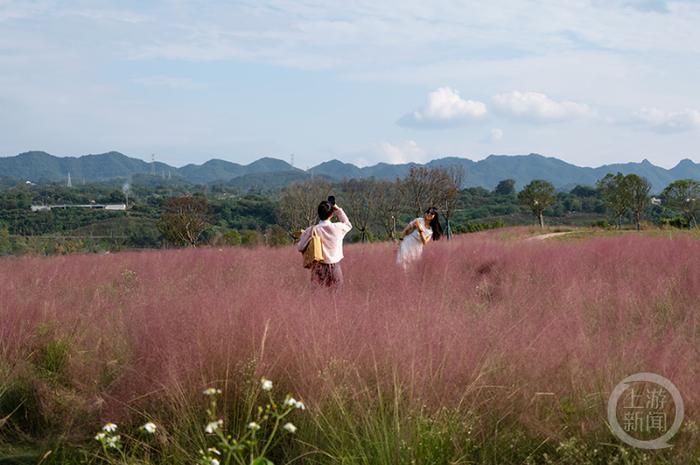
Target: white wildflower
{"type": "Point", "coordinates": [290, 427]}
{"type": "Point", "coordinates": [149, 427]}
{"type": "Point", "coordinates": [213, 462]}
{"type": "Point", "coordinates": [100, 436]}
{"type": "Point", "coordinates": [213, 426]}
{"type": "Point", "coordinates": [109, 427]}
{"type": "Point", "coordinates": [213, 450]}
{"type": "Point", "coordinates": [113, 441]}
{"type": "Point", "coordinates": [211, 391]}
{"type": "Point", "coordinates": [254, 426]}
{"type": "Point", "coordinates": [292, 402]}
{"type": "Point", "coordinates": [266, 384]}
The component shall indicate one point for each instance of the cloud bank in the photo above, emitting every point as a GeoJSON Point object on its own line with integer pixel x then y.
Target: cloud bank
{"type": "Point", "coordinates": [445, 108]}
{"type": "Point", "coordinates": [538, 107]}
{"type": "Point", "coordinates": [668, 121]}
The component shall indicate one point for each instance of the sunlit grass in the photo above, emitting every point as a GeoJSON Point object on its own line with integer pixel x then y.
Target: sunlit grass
{"type": "Point", "coordinates": [492, 350]}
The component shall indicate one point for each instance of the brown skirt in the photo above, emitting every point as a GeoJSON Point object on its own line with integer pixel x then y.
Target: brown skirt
{"type": "Point", "coordinates": [329, 275]}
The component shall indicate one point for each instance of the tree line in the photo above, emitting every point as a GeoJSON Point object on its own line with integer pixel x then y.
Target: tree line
{"type": "Point", "coordinates": [378, 208]}
{"type": "Point", "coordinates": [624, 195]}
{"type": "Point", "coordinates": [180, 215]}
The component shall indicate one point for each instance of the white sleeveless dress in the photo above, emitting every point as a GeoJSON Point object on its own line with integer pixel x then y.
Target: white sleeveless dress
{"type": "Point", "coordinates": [411, 246]}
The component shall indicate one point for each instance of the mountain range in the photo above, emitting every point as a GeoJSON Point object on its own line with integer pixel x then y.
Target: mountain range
{"type": "Point", "coordinates": [271, 173]}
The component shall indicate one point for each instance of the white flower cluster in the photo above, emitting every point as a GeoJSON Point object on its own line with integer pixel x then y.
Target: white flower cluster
{"type": "Point", "coordinates": [109, 440]}
{"type": "Point", "coordinates": [213, 456]}
{"type": "Point", "coordinates": [210, 458]}
{"type": "Point", "coordinates": [113, 441]}
{"type": "Point", "coordinates": [292, 402]}
{"type": "Point", "coordinates": [109, 427]}
{"type": "Point", "coordinates": [213, 426]}
{"type": "Point", "coordinates": [254, 426]}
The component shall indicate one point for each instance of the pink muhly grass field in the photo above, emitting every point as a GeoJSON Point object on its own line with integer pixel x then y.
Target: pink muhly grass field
{"type": "Point", "coordinates": [505, 327]}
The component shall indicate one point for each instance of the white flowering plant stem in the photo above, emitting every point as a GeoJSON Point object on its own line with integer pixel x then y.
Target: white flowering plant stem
{"type": "Point", "coordinates": [111, 441]}
{"type": "Point", "coordinates": [262, 431]}
{"type": "Point", "coordinates": [113, 444]}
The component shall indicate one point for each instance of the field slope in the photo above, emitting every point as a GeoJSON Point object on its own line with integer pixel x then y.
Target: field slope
{"type": "Point", "coordinates": [490, 351]}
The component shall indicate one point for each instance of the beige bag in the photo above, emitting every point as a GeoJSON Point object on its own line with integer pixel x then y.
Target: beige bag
{"type": "Point", "coordinates": [313, 251]}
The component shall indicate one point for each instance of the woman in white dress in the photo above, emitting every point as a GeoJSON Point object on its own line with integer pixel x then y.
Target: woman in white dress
{"type": "Point", "coordinates": [416, 234]}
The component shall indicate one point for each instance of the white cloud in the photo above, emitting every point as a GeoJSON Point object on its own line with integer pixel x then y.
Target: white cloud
{"type": "Point", "coordinates": [537, 107]}
{"type": "Point", "coordinates": [445, 107]}
{"type": "Point", "coordinates": [496, 134]}
{"type": "Point", "coordinates": [668, 121]}
{"type": "Point", "coordinates": [405, 152]}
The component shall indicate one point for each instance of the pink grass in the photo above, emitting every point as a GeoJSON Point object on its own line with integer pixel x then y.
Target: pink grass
{"type": "Point", "coordinates": [491, 323]}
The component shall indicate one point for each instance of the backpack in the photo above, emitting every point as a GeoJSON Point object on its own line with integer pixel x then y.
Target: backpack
{"type": "Point", "coordinates": [313, 251]}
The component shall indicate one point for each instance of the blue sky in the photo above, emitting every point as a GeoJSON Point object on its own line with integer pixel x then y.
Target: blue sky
{"type": "Point", "coordinates": [588, 81]}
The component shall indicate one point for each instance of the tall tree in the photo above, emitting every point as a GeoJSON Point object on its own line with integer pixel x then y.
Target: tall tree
{"type": "Point", "coordinates": [359, 199]}
{"type": "Point", "coordinates": [615, 194]}
{"type": "Point", "coordinates": [537, 196]}
{"type": "Point", "coordinates": [298, 203]}
{"type": "Point", "coordinates": [184, 220]}
{"type": "Point", "coordinates": [388, 204]}
{"type": "Point", "coordinates": [427, 187]}
{"type": "Point", "coordinates": [638, 192]}
{"type": "Point", "coordinates": [452, 197]}
{"type": "Point", "coordinates": [684, 195]}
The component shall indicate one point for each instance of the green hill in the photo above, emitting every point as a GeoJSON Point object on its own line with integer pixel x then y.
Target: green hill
{"type": "Point", "coordinates": [270, 173]}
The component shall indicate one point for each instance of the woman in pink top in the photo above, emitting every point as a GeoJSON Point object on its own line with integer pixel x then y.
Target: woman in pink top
{"type": "Point", "coordinates": [328, 271]}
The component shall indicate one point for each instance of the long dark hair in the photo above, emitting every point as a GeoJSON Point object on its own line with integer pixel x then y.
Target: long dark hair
{"type": "Point", "coordinates": [435, 223]}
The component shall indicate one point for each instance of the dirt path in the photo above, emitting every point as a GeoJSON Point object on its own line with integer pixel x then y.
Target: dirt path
{"type": "Point", "coordinates": [547, 236]}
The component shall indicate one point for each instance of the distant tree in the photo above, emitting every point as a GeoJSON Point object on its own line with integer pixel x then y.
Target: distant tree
{"type": "Point", "coordinates": [613, 188]}
{"type": "Point", "coordinates": [143, 236]}
{"type": "Point", "coordinates": [276, 236]}
{"type": "Point", "coordinates": [638, 192]}
{"type": "Point", "coordinates": [358, 199]}
{"type": "Point", "coordinates": [427, 187]}
{"type": "Point", "coordinates": [505, 187]}
{"type": "Point", "coordinates": [20, 246]}
{"type": "Point", "coordinates": [584, 191]}
{"type": "Point", "coordinates": [232, 237]}
{"type": "Point", "coordinates": [184, 220]}
{"type": "Point", "coordinates": [387, 206]}
{"type": "Point", "coordinates": [537, 196]}
{"type": "Point", "coordinates": [452, 195]}
{"type": "Point", "coordinates": [251, 238]}
{"type": "Point", "coordinates": [684, 195]}
{"type": "Point", "coordinates": [298, 204]}
{"type": "Point", "coordinates": [5, 244]}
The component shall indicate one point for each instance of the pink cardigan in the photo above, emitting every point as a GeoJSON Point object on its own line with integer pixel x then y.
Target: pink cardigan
{"type": "Point", "coordinates": [331, 235]}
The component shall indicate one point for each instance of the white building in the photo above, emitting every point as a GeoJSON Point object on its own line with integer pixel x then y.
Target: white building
{"type": "Point", "coordinates": [112, 206]}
